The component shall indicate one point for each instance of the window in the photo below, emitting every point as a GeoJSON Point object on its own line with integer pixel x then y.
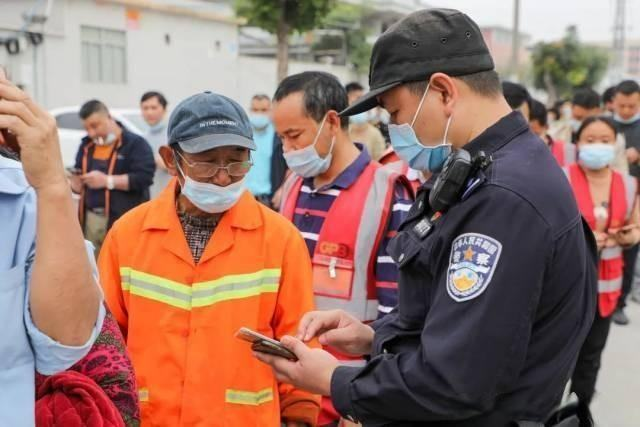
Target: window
{"type": "Point", "coordinates": [69, 121]}
{"type": "Point", "coordinates": [104, 55]}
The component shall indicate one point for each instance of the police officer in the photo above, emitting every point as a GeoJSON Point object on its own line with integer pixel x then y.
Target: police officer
{"type": "Point", "coordinates": [497, 270]}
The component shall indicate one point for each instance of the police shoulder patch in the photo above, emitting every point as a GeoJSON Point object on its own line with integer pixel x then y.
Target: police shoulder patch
{"type": "Point", "coordinates": [473, 260]}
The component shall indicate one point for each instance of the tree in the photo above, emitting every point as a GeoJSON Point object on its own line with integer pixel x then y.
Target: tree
{"type": "Point", "coordinates": [562, 66]}
{"type": "Point", "coordinates": [282, 17]}
{"type": "Point", "coordinates": [349, 18]}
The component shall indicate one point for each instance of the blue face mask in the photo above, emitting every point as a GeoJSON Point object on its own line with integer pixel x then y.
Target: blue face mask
{"type": "Point", "coordinates": [407, 145]}
{"type": "Point", "coordinates": [575, 125]}
{"type": "Point", "coordinates": [622, 121]}
{"type": "Point", "coordinates": [359, 119]}
{"type": "Point", "coordinates": [306, 162]}
{"type": "Point", "coordinates": [158, 127]}
{"type": "Point", "coordinates": [597, 155]}
{"type": "Point", "coordinates": [259, 121]}
{"type": "Point", "coordinates": [211, 198]}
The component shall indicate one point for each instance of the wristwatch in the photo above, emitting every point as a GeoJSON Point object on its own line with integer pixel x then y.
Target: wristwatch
{"type": "Point", "coordinates": [110, 182]}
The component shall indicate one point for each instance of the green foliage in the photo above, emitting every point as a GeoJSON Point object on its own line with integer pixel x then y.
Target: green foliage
{"type": "Point", "coordinates": [349, 17]}
{"type": "Point", "coordinates": [560, 67]}
{"type": "Point", "coordinates": [299, 15]}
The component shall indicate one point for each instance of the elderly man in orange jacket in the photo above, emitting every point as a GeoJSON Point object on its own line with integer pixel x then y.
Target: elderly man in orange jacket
{"type": "Point", "coordinates": [184, 272]}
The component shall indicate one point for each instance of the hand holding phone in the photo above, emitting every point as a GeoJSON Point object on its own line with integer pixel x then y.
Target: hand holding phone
{"type": "Point", "coordinates": [74, 171]}
{"type": "Point", "coordinates": [264, 344]}
{"type": "Point", "coordinates": [624, 236]}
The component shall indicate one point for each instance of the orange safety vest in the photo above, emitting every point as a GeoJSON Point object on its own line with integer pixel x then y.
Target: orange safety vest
{"type": "Point", "coordinates": [180, 318]}
{"type": "Point", "coordinates": [345, 254]}
{"type": "Point", "coordinates": [565, 153]}
{"type": "Point", "coordinates": [611, 265]}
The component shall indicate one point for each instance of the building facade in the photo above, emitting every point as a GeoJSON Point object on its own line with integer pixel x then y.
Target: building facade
{"type": "Point", "coordinates": [115, 50]}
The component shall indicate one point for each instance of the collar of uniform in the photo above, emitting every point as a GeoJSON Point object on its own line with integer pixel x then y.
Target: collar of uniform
{"type": "Point", "coordinates": [498, 135]}
{"type": "Point", "coordinates": [12, 179]}
{"type": "Point", "coordinates": [245, 214]}
{"type": "Point", "coordinates": [348, 176]}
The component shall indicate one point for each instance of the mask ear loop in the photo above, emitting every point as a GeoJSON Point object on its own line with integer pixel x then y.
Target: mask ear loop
{"type": "Point", "coordinates": [446, 131]}
{"type": "Point", "coordinates": [315, 141]}
{"type": "Point", "coordinates": [424, 96]}
{"type": "Point", "coordinates": [178, 168]}
{"type": "Point", "coordinates": [333, 141]}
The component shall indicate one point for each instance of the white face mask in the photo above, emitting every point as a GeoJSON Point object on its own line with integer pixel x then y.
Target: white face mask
{"type": "Point", "coordinates": [211, 198]}
{"type": "Point", "coordinates": [628, 121]}
{"type": "Point", "coordinates": [110, 139]}
{"type": "Point", "coordinates": [306, 162]}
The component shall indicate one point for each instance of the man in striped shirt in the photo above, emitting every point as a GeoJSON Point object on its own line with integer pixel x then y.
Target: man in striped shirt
{"type": "Point", "coordinates": [345, 205]}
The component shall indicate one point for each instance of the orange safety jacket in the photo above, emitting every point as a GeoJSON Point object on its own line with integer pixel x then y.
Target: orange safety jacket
{"type": "Point", "coordinates": [180, 318]}
{"type": "Point", "coordinates": [622, 199]}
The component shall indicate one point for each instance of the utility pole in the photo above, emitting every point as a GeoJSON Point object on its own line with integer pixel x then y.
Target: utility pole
{"type": "Point", "coordinates": [619, 41]}
{"type": "Point", "coordinates": [515, 42]}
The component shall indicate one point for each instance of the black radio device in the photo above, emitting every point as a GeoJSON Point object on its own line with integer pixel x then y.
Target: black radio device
{"type": "Point", "coordinates": [452, 180]}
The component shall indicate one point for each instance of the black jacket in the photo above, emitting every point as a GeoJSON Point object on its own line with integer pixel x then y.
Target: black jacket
{"type": "Point", "coordinates": [631, 133]}
{"type": "Point", "coordinates": [134, 158]}
{"type": "Point", "coordinates": [278, 165]}
{"type": "Point", "coordinates": [496, 297]}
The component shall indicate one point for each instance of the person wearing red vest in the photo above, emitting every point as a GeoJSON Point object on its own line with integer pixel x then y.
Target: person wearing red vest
{"type": "Point", "coordinates": [345, 204]}
{"type": "Point", "coordinates": [416, 178]}
{"type": "Point", "coordinates": [564, 152]}
{"type": "Point", "coordinates": [607, 201]}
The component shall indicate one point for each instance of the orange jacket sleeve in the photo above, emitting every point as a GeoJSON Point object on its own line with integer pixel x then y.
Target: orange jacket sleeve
{"type": "Point", "coordinates": [295, 298]}
{"type": "Point", "coordinates": [109, 268]}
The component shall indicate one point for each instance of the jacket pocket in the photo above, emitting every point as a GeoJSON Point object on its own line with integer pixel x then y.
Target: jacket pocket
{"type": "Point", "coordinates": [251, 397]}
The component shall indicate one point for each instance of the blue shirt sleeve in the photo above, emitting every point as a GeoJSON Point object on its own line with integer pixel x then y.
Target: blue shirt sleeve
{"type": "Point", "coordinates": [51, 356]}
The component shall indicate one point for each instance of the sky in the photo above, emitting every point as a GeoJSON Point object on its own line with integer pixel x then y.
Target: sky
{"type": "Point", "coordinates": [547, 19]}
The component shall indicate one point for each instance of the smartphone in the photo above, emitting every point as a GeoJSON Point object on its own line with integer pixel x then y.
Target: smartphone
{"type": "Point", "coordinates": [624, 229]}
{"type": "Point", "coordinates": [628, 228]}
{"type": "Point", "coordinates": [10, 140]}
{"type": "Point", "coordinates": [265, 344]}
{"type": "Point", "coordinates": [74, 171]}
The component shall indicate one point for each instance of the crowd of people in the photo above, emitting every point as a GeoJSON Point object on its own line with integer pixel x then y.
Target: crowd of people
{"type": "Point", "coordinates": [317, 198]}
{"type": "Point", "coordinates": [595, 139]}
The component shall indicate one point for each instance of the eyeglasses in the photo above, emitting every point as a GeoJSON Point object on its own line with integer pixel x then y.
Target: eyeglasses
{"type": "Point", "coordinates": [208, 170]}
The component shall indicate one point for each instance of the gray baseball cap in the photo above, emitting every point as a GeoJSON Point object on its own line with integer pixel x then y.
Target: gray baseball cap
{"type": "Point", "coordinates": [207, 120]}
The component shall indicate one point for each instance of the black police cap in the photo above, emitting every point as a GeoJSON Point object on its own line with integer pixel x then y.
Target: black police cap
{"type": "Point", "coordinates": [419, 45]}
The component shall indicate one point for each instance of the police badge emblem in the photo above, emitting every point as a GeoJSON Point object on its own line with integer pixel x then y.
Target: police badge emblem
{"type": "Point", "coordinates": [473, 260]}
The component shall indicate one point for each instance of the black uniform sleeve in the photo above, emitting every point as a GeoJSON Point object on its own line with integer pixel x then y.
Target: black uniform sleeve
{"type": "Point", "coordinates": [142, 165]}
{"type": "Point", "coordinates": [469, 350]}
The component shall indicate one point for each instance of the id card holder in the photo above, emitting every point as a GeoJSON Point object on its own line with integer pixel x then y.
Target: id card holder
{"type": "Point", "coordinates": [332, 276]}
